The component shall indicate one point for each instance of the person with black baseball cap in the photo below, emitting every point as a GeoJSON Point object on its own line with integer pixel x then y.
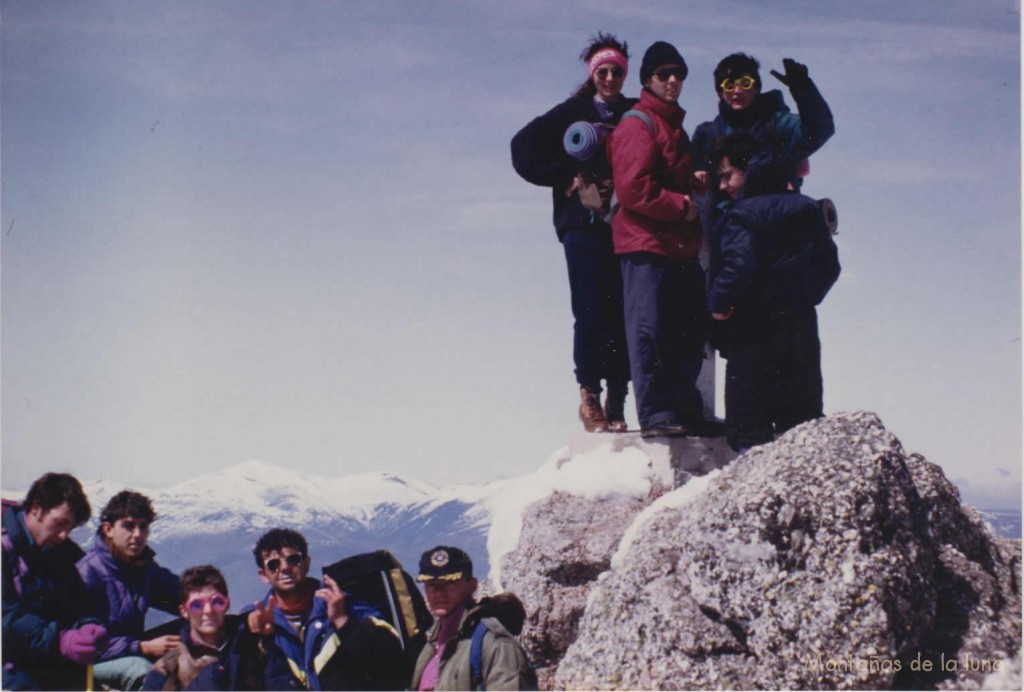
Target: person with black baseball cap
{"type": "Point", "coordinates": [467, 648]}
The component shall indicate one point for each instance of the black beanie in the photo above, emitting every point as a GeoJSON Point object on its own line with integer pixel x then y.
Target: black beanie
{"type": "Point", "coordinates": [660, 53]}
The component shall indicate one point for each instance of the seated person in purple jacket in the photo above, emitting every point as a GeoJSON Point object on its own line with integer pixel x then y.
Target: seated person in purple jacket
{"type": "Point", "coordinates": [123, 581]}
{"type": "Point", "coordinates": [216, 650]}
{"type": "Point", "coordinates": [48, 635]}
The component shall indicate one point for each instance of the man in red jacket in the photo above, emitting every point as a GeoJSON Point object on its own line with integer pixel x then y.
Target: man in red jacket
{"type": "Point", "coordinates": [657, 236]}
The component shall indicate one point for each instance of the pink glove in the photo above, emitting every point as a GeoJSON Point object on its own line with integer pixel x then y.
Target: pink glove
{"type": "Point", "coordinates": [83, 645]}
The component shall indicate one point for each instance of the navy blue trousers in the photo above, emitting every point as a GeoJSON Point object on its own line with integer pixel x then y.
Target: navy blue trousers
{"type": "Point", "coordinates": [599, 332]}
{"type": "Point", "coordinates": [773, 376]}
{"type": "Point", "coordinates": [666, 328]}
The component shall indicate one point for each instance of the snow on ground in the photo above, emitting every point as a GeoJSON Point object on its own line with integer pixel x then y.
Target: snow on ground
{"type": "Point", "coordinates": [680, 497]}
{"type": "Point", "coordinates": [600, 474]}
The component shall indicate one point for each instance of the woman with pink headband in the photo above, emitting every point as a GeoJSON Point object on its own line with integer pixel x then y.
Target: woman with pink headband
{"type": "Point", "coordinates": [595, 281]}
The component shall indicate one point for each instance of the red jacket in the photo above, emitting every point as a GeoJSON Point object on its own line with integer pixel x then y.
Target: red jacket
{"type": "Point", "coordinates": [653, 176]}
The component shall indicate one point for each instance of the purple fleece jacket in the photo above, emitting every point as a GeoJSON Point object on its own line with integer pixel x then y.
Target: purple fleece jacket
{"type": "Point", "coordinates": [121, 593]}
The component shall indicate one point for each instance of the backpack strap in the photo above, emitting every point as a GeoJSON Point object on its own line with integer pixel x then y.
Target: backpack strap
{"type": "Point", "coordinates": [476, 656]}
{"type": "Point", "coordinates": [639, 114]}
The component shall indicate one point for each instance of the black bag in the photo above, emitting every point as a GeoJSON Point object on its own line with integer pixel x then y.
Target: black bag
{"type": "Point", "coordinates": [378, 580]}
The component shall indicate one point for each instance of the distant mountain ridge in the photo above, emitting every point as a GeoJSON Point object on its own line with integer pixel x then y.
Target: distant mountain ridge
{"type": "Point", "coordinates": [217, 518]}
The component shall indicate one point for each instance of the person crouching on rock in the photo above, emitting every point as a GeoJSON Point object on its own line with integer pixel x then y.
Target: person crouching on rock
{"type": "Point", "coordinates": [468, 648]}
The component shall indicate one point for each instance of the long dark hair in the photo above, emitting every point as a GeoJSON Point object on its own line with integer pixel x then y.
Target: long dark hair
{"type": "Point", "coordinates": [599, 42]}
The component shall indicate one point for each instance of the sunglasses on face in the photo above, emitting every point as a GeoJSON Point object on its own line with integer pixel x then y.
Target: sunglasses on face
{"type": "Point", "coordinates": [603, 72]}
{"type": "Point", "coordinates": [664, 73]}
{"type": "Point", "coordinates": [293, 560]}
{"type": "Point", "coordinates": [744, 83]}
{"type": "Point", "coordinates": [197, 605]}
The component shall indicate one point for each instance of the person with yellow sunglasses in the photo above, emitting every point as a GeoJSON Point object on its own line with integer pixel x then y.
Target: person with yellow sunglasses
{"type": "Point", "coordinates": [744, 109]}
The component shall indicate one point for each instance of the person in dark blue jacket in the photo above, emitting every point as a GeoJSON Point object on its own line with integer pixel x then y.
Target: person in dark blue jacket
{"type": "Point", "coordinates": [311, 636]}
{"type": "Point", "coordinates": [124, 581]}
{"type": "Point", "coordinates": [49, 636]}
{"type": "Point", "coordinates": [744, 109]}
{"type": "Point", "coordinates": [215, 651]}
{"type": "Point", "coordinates": [773, 261]}
{"type": "Point", "coordinates": [595, 280]}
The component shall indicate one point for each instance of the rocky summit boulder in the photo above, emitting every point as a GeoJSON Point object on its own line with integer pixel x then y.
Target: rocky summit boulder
{"type": "Point", "coordinates": [568, 544]}
{"type": "Point", "coordinates": [567, 541]}
{"type": "Point", "coordinates": [829, 559]}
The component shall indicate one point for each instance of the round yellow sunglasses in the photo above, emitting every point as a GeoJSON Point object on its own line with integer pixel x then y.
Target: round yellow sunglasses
{"type": "Point", "coordinates": [745, 83]}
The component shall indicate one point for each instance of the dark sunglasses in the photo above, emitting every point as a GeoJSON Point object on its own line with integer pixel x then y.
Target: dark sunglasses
{"type": "Point", "coordinates": [218, 603]}
{"type": "Point", "coordinates": [603, 72]}
{"type": "Point", "coordinates": [665, 72]}
{"type": "Point", "coordinates": [293, 560]}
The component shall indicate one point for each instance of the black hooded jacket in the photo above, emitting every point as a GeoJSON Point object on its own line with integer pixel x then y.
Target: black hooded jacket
{"type": "Point", "coordinates": [772, 249]}
{"type": "Point", "coordinates": [539, 157]}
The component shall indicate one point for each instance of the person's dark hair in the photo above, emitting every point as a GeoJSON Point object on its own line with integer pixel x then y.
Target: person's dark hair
{"type": "Point", "coordinates": [128, 503]}
{"type": "Point", "coordinates": [739, 148]}
{"type": "Point", "coordinates": [599, 42]}
{"type": "Point", "coordinates": [199, 577]}
{"type": "Point", "coordinates": [735, 66]}
{"type": "Point", "coordinates": [54, 489]}
{"type": "Point", "coordinates": [276, 539]}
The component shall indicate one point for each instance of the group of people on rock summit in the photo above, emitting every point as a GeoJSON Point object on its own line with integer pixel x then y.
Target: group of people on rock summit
{"type": "Point", "coordinates": [633, 219]}
{"type": "Point", "coordinates": [75, 619]}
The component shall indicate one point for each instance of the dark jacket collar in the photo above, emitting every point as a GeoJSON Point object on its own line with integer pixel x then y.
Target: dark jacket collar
{"type": "Point", "coordinates": [620, 105]}
{"type": "Point", "coordinates": [25, 546]}
{"type": "Point", "coordinates": [318, 609]}
{"type": "Point", "coordinates": [766, 105]}
{"type": "Point", "coordinates": [764, 176]}
{"type": "Point", "coordinates": [197, 649]}
{"type": "Point", "coordinates": [14, 524]}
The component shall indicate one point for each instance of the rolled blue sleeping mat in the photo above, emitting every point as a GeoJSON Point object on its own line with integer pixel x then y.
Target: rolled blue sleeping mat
{"type": "Point", "coordinates": [582, 139]}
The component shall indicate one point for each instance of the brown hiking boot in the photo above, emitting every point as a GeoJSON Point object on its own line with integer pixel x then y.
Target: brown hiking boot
{"type": "Point", "coordinates": [615, 408]}
{"type": "Point", "coordinates": [590, 411]}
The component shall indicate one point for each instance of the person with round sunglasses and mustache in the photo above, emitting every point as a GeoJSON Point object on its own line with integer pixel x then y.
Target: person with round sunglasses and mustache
{"type": "Point", "coordinates": [310, 636]}
{"type": "Point", "coordinates": [595, 285]}
{"type": "Point", "coordinates": [215, 650]}
{"type": "Point", "coordinates": [744, 109]}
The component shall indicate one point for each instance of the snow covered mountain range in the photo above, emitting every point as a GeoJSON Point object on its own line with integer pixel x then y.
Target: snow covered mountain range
{"type": "Point", "coordinates": [216, 518]}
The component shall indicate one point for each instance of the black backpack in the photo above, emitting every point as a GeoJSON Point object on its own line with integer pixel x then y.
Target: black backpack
{"type": "Point", "coordinates": [377, 580]}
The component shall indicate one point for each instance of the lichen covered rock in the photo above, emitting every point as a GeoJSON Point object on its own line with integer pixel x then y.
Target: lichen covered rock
{"type": "Point", "coordinates": [828, 559]}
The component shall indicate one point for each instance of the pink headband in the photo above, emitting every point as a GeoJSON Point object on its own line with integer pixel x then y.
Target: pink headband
{"type": "Point", "coordinates": [606, 55]}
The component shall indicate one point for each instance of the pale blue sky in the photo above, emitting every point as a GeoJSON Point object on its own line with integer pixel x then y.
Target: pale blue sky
{"type": "Point", "coordinates": [290, 231]}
